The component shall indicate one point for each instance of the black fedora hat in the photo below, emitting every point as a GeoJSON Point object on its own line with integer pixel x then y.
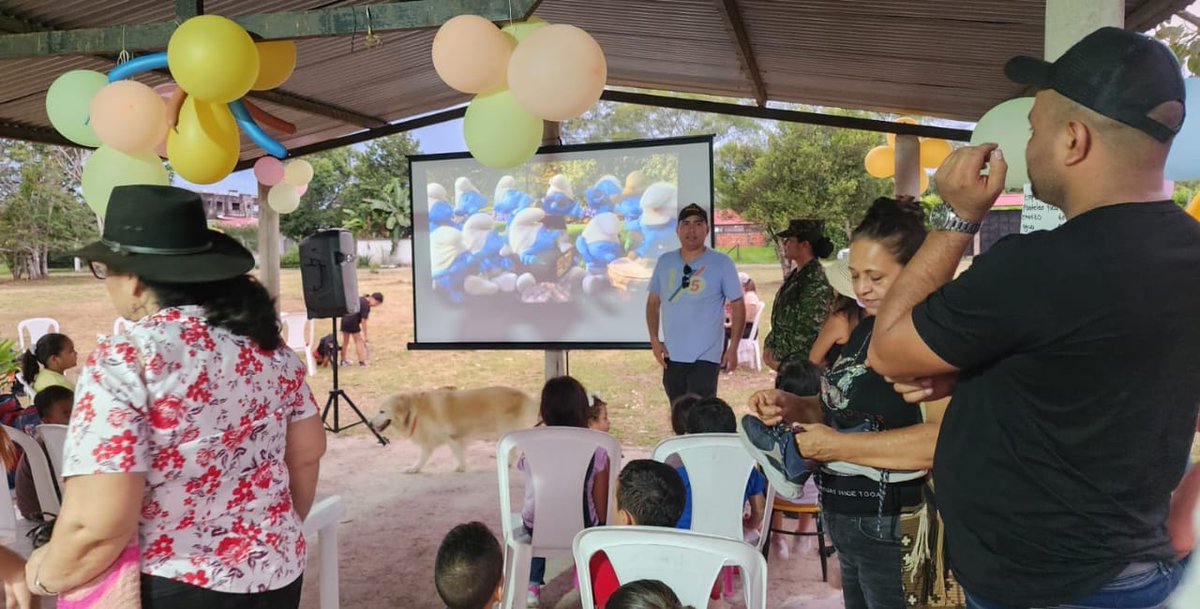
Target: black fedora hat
{"type": "Point", "coordinates": [160, 233]}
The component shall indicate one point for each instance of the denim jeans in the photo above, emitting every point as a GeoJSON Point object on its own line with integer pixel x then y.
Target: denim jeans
{"type": "Point", "coordinates": [1139, 586]}
{"type": "Point", "coordinates": [868, 548]}
{"type": "Point", "coordinates": [160, 592]}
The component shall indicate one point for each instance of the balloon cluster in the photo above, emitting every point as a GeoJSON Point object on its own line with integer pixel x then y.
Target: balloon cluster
{"type": "Point", "coordinates": [194, 122]}
{"type": "Point", "coordinates": [287, 181]}
{"type": "Point", "coordinates": [525, 73]}
{"type": "Point", "coordinates": [1007, 124]}
{"type": "Point", "coordinates": [881, 160]}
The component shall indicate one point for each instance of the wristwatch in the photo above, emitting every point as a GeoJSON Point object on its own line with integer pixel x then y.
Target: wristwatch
{"type": "Point", "coordinates": [943, 218]}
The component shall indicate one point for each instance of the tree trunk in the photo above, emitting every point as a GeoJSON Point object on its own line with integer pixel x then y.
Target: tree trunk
{"type": "Point", "coordinates": [785, 265]}
{"type": "Point", "coordinates": [45, 261]}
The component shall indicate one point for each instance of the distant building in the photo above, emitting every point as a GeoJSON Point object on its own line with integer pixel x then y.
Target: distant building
{"type": "Point", "coordinates": [731, 229]}
{"type": "Point", "coordinates": [230, 207]}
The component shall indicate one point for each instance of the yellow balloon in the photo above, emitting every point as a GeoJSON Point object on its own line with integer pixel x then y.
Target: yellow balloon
{"type": "Point", "coordinates": [1193, 208]}
{"type": "Point", "coordinates": [298, 172]}
{"type": "Point", "coordinates": [518, 30]}
{"type": "Point", "coordinates": [924, 185]}
{"type": "Point", "coordinates": [276, 62]}
{"type": "Point", "coordinates": [934, 152]}
{"type": "Point", "coordinates": [203, 147]}
{"type": "Point", "coordinates": [903, 120]}
{"type": "Point", "coordinates": [283, 198]}
{"type": "Point", "coordinates": [213, 59]}
{"type": "Point", "coordinates": [881, 161]}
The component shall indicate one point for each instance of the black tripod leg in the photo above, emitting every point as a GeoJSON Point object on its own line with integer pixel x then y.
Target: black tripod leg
{"type": "Point", "coordinates": [382, 440]}
{"type": "Point", "coordinates": [330, 402]}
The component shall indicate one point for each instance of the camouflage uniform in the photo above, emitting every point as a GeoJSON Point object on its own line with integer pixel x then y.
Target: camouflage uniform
{"type": "Point", "coordinates": [800, 309]}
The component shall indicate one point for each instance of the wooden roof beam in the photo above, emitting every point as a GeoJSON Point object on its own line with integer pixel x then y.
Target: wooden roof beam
{"type": "Point", "coordinates": [319, 108]}
{"type": "Point", "coordinates": [32, 133]}
{"type": "Point", "coordinates": [733, 19]}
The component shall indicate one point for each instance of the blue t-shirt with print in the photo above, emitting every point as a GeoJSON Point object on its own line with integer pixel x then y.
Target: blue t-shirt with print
{"type": "Point", "coordinates": [693, 318]}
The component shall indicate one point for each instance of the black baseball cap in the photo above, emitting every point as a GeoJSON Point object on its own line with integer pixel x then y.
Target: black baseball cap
{"type": "Point", "coordinates": [804, 229]}
{"type": "Point", "coordinates": [693, 210]}
{"type": "Point", "coordinates": [1121, 74]}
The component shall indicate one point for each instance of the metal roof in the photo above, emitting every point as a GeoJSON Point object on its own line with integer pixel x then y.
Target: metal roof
{"type": "Point", "coordinates": [933, 57]}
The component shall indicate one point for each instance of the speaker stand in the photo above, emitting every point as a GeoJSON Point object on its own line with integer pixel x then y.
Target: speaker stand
{"type": "Point", "coordinates": [338, 393]}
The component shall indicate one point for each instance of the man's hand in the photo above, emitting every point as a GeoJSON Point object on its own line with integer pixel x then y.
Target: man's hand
{"type": "Point", "coordinates": [926, 389]}
{"type": "Point", "coordinates": [818, 442]}
{"type": "Point", "coordinates": [729, 361]}
{"type": "Point", "coordinates": [660, 352]}
{"type": "Point", "coordinates": [773, 406]}
{"type": "Point", "coordinates": [961, 186]}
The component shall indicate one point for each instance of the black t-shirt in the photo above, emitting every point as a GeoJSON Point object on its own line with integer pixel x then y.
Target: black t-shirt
{"type": "Point", "coordinates": [858, 396]}
{"type": "Point", "coordinates": [353, 321]}
{"type": "Point", "coordinates": [1076, 402]}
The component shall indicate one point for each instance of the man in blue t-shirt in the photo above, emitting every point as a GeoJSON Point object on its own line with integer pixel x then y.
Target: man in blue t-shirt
{"type": "Point", "coordinates": [689, 289]}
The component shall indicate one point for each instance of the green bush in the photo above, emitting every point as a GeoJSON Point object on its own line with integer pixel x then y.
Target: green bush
{"type": "Point", "coordinates": [290, 259]}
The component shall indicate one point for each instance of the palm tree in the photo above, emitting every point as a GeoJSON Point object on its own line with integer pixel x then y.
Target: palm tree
{"type": "Point", "coordinates": [392, 211]}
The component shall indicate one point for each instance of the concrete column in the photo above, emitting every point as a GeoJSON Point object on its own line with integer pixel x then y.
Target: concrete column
{"type": "Point", "coordinates": [1068, 21]}
{"type": "Point", "coordinates": [551, 133]}
{"type": "Point", "coordinates": [268, 244]}
{"type": "Point", "coordinates": [908, 166]}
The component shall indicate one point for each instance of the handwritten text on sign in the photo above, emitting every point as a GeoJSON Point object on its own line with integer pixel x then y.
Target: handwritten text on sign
{"type": "Point", "coordinates": [1039, 215]}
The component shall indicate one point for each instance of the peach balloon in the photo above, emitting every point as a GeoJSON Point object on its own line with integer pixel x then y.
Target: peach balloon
{"type": "Point", "coordinates": [557, 72]}
{"type": "Point", "coordinates": [129, 116]}
{"type": "Point", "coordinates": [471, 54]}
{"type": "Point", "coordinates": [934, 152]}
{"type": "Point", "coordinates": [881, 161]}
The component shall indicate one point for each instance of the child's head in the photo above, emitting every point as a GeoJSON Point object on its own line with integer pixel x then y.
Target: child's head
{"type": "Point", "coordinates": [376, 299]}
{"type": "Point", "coordinates": [711, 415]}
{"type": "Point", "coordinates": [679, 412]}
{"type": "Point", "coordinates": [564, 403]}
{"type": "Point", "coordinates": [53, 351]}
{"type": "Point", "coordinates": [469, 567]}
{"type": "Point", "coordinates": [54, 404]}
{"type": "Point", "coordinates": [799, 376]}
{"type": "Point", "coordinates": [598, 414]}
{"type": "Point", "coordinates": [649, 493]}
{"type": "Point", "coordinates": [645, 594]}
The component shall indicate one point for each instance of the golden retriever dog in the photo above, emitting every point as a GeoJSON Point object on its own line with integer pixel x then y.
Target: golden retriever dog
{"type": "Point", "coordinates": [450, 416]}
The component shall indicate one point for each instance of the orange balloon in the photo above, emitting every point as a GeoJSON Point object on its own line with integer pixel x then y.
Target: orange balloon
{"type": "Point", "coordinates": [557, 72]}
{"type": "Point", "coordinates": [903, 120]}
{"type": "Point", "coordinates": [1193, 208]}
{"type": "Point", "coordinates": [934, 152]}
{"type": "Point", "coordinates": [924, 184]}
{"type": "Point", "coordinates": [471, 54]}
{"type": "Point", "coordinates": [881, 161]}
{"type": "Point", "coordinates": [129, 116]}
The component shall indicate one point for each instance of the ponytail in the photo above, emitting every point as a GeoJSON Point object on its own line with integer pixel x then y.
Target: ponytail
{"type": "Point", "coordinates": [29, 367]}
{"type": "Point", "coordinates": [823, 247]}
{"type": "Point", "coordinates": [40, 353]}
{"type": "Point", "coordinates": [240, 305]}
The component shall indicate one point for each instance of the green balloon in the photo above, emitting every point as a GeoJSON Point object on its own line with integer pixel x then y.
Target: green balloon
{"type": "Point", "coordinates": [500, 133]}
{"type": "Point", "coordinates": [518, 30]}
{"type": "Point", "coordinates": [109, 167]}
{"type": "Point", "coordinates": [68, 104]}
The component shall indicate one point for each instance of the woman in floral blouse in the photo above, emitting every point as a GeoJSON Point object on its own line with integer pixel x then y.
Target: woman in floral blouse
{"type": "Point", "coordinates": [193, 433]}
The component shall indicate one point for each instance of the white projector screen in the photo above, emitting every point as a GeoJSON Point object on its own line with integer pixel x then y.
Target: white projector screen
{"type": "Point", "coordinates": [554, 254]}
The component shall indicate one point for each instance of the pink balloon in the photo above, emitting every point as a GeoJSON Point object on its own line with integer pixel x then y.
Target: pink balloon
{"type": "Point", "coordinates": [557, 72]}
{"type": "Point", "coordinates": [300, 190]}
{"type": "Point", "coordinates": [268, 170]}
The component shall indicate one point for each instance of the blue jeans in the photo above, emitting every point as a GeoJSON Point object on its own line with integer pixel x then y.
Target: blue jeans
{"type": "Point", "coordinates": [869, 551]}
{"type": "Point", "coordinates": [1139, 586]}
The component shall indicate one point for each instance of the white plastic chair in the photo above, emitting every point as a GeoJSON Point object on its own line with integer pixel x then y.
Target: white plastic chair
{"type": "Point", "coordinates": [120, 325]}
{"type": "Point", "coordinates": [557, 459]}
{"type": "Point", "coordinates": [323, 521]}
{"type": "Point", "coordinates": [296, 339]}
{"type": "Point", "coordinates": [8, 512]}
{"type": "Point", "coordinates": [718, 467]}
{"type": "Point", "coordinates": [54, 438]}
{"type": "Point", "coordinates": [687, 561]}
{"type": "Point", "coordinates": [36, 327]}
{"type": "Point", "coordinates": [39, 465]}
{"type": "Point", "coordinates": [748, 349]}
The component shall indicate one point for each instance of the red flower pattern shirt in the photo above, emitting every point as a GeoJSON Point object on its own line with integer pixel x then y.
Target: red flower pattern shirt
{"type": "Point", "coordinates": [203, 413]}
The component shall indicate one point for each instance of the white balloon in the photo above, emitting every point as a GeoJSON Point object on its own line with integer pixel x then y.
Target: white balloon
{"type": "Point", "coordinates": [1008, 125]}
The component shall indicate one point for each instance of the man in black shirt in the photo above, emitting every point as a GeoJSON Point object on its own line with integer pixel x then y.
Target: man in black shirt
{"type": "Point", "coordinates": [354, 328]}
{"type": "Point", "coordinates": [1071, 354]}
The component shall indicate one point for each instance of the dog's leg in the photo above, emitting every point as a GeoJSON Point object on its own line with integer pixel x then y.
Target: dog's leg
{"type": "Point", "coordinates": [421, 460]}
{"type": "Point", "coordinates": [456, 445]}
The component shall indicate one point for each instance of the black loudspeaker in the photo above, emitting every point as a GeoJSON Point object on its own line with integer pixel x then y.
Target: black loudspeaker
{"type": "Point", "coordinates": [328, 274]}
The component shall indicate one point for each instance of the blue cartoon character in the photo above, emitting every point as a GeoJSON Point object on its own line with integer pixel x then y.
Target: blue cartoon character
{"type": "Point", "coordinates": [599, 245]}
{"type": "Point", "coordinates": [602, 197]}
{"type": "Point", "coordinates": [630, 206]}
{"type": "Point", "coordinates": [560, 199]}
{"type": "Point", "coordinates": [659, 206]}
{"type": "Point", "coordinates": [468, 199]}
{"type": "Point", "coordinates": [508, 200]}
{"type": "Point", "coordinates": [450, 262]}
{"type": "Point", "coordinates": [441, 212]}
{"type": "Point", "coordinates": [491, 259]}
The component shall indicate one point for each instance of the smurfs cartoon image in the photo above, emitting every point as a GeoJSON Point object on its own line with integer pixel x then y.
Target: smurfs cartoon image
{"type": "Point", "coordinates": [529, 238]}
{"type": "Point", "coordinates": [491, 261]}
{"type": "Point", "coordinates": [508, 200]}
{"type": "Point", "coordinates": [603, 197]}
{"type": "Point", "coordinates": [469, 200]}
{"type": "Point", "coordinates": [630, 206]}
{"type": "Point", "coordinates": [659, 208]}
{"type": "Point", "coordinates": [441, 212]}
{"type": "Point", "coordinates": [560, 199]}
{"type": "Point", "coordinates": [450, 262]}
{"type": "Point", "coordinates": [599, 245]}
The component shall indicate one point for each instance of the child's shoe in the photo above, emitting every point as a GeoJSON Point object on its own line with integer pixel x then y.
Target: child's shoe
{"type": "Point", "coordinates": [774, 447]}
{"type": "Point", "coordinates": [534, 598]}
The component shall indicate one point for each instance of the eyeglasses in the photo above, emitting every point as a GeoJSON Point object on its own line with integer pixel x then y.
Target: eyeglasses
{"type": "Point", "coordinates": [99, 269]}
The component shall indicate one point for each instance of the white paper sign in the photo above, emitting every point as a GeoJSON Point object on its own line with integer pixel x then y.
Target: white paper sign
{"type": "Point", "coordinates": [1039, 215]}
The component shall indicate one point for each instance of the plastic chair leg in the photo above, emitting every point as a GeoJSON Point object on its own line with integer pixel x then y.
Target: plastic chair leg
{"type": "Point", "coordinates": [517, 584]}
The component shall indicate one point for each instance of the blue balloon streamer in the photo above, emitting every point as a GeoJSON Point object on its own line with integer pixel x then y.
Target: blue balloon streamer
{"type": "Point", "coordinates": [145, 63]}
{"type": "Point", "coordinates": [257, 135]}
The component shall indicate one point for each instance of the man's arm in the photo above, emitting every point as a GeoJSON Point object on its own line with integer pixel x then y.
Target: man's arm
{"type": "Point", "coordinates": [738, 326]}
{"type": "Point", "coordinates": [653, 302]}
{"type": "Point", "coordinates": [904, 449]}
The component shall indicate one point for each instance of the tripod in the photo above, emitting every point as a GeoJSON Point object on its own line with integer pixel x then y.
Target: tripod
{"type": "Point", "coordinates": [338, 392]}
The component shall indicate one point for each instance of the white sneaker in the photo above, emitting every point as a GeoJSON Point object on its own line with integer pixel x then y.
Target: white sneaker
{"type": "Point", "coordinates": [844, 468]}
{"type": "Point", "coordinates": [779, 547]}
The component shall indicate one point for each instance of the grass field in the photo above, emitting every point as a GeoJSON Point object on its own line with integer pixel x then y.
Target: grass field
{"type": "Point", "coordinates": [629, 380]}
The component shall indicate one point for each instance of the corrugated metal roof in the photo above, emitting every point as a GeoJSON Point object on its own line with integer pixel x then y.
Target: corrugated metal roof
{"type": "Point", "coordinates": [934, 57]}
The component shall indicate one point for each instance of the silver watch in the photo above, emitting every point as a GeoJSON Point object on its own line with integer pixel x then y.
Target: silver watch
{"type": "Point", "coordinates": [943, 218]}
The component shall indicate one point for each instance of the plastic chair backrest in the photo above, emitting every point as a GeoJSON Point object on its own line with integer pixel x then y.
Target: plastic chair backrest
{"type": "Point", "coordinates": [557, 459]}
{"type": "Point", "coordinates": [718, 468]}
{"type": "Point", "coordinates": [754, 325]}
{"type": "Point", "coordinates": [120, 325]}
{"type": "Point", "coordinates": [36, 327]}
{"type": "Point", "coordinates": [39, 465]}
{"type": "Point", "coordinates": [8, 512]}
{"type": "Point", "coordinates": [296, 323]}
{"type": "Point", "coordinates": [687, 561]}
{"type": "Point", "coordinates": [54, 438]}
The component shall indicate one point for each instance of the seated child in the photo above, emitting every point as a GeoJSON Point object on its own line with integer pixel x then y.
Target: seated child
{"type": "Point", "coordinates": [679, 411]}
{"type": "Point", "coordinates": [469, 569]}
{"type": "Point", "coordinates": [52, 405]}
{"type": "Point", "coordinates": [645, 594]}
{"type": "Point", "coordinates": [649, 493]}
{"type": "Point", "coordinates": [713, 415]}
{"type": "Point", "coordinates": [44, 364]}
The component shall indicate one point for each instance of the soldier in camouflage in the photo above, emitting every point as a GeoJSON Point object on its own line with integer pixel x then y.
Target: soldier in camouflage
{"type": "Point", "coordinates": [803, 301]}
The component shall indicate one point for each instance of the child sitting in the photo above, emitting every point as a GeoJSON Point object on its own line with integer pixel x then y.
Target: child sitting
{"type": "Point", "coordinates": [649, 493]}
{"type": "Point", "coordinates": [44, 364]}
{"type": "Point", "coordinates": [679, 412]}
{"type": "Point", "coordinates": [713, 415]}
{"type": "Point", "coordinates": [469, 568]}
{"type": "Point", "coordinates": [598, 414]}
{"type": "Point", "coordinates": [645, 594]}
{"type": "Point", "coordinates": [51, 405]}
{"type": "Point", "coordinates": [797, 376]}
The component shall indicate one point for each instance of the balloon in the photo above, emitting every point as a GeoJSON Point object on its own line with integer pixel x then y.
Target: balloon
{"type": "Point", "coordinates": [204, 147]}
{"type": "Point", "coordinates": [283, 198]}
{"type": "Point", "coordinates": [1183, 162]}
{"type": "Point", "coordinates": [267, 119]}
{"type": "Point", "coordinates": [298, 172]}
{"type": "Point", "coordinates": [924, 184]}
{"type": "Point", "coordinates": [518, 30]}
{"type": "Point", "coordinates": [129, 116]}
{"type": "Point", "coordinates": [881, 161]}
{"type": "Point", "coordinates": [300, 190]}
{"type": "Point", "coordinates": [499, 132]}
{"type": "Point", "coordinates": [557, 72]}
{"type": "Point", "coordinates": [268, 170]}
{"type": "Point", "coordinates": [1007, 124]}
{"type": "Point", "coordinates": [1193, 208]}
{"type": "Point", "coordinates": [934, 152]}
{"type": "Point", "coordinates": [133, 67]}
{"type": "Point", "coordinates": [903, 120]}
{"type": "Point", "coordinates": [470, 54]}
{"type": "Point", "coordinates": [276, 62]}
{"type": "Point", "coordinates": [213, 59]}
{"type": "Point", "coordinates": [68, 104]}
{"type": "Point", "coordinates": [254, 132]}
{"type": "Point", "coordinates": [108, 167]}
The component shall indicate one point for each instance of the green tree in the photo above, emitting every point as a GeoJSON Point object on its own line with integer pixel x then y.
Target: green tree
{"type": "Point", "coordinates": [321, 205]}
{"type": "Point", "coordinates": [392, 210]}
{"type": "Point", "coordinates": [377, 170]}
{"type": "Point", "coordinates": [1183, 37]}
{"type": "Point", "coordinates": [611, 121]}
